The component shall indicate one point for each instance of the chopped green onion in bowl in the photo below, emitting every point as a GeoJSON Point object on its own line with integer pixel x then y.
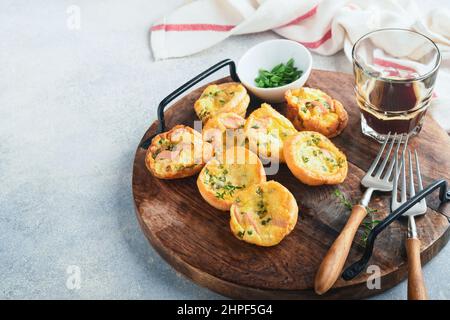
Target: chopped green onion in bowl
{"type": "Point", "coordinates": [280, 75]}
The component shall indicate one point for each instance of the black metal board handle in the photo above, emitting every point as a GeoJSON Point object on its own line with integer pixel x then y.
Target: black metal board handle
{"type": "Point", "coordinates": [356, 268]}
{"type": "Point", "coordinates": [162, 105]}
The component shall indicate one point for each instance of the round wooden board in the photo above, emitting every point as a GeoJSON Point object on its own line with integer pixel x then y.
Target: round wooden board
{"type": "Point", "coordinates": [196, 240]}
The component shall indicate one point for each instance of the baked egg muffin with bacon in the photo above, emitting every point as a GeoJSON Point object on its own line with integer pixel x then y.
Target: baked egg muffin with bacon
{"type": "Point", "coordinates": [263, 214]}
{"type": "Point", "coordinates": [223, 177]}
{"type": "Point", "coordinates": [314, 159]}
{"type": "Point", "coordinates": [220, 98]}
{"type": "Point", "coordinates": [266, 130]}
{"type": "Point", "coordinates": [224, 130]}
{"type": "Point", "coordinates": [177, 153]}
{"type": "Point", "coordinates": [313, 110]}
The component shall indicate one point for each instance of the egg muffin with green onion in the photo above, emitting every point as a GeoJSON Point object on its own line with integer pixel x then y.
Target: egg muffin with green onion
{"type": "Point", "coordinates": [313, 110]}
{"type": "Point", "coordinates": [220, 98]}
{"type": "Point", "coordinates": [263, 214]}
{"type": "Point", "coordinates": [314, 159]}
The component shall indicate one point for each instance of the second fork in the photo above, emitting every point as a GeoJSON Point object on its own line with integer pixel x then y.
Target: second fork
{"type": "Point", "coordinates": [416, 285]}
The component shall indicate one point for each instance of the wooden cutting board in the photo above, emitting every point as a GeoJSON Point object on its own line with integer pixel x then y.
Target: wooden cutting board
{"type": "Point", "coordinates": [196, 240]}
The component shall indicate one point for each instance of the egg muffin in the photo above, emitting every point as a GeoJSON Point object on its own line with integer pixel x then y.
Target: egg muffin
{"type": "Point", "coordinates": [177, 153]}
{"type": "Point", "coordinates": [266, 130]}
{"type": "Point", "coordinates": [263, 214]}
{"type": "Point", "coordinates": [221, 179]}
{"type": "Point", "coordinates": [313, 110]}
{"type": "Point", "coordinates": [314, 159]}
{"type": "Point", "coordinates": [220, 98]}
{"type": "Point", "coordinates": [224, 131]}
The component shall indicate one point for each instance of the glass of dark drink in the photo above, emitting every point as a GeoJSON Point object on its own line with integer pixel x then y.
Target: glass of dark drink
{"type": "Point", "coordinates": [395, 71]}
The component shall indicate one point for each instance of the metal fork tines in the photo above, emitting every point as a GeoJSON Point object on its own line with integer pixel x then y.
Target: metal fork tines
{"type": "Point", "coordinates": [377, 178]}
{"type": "Point", "coordinates": [421, 207]}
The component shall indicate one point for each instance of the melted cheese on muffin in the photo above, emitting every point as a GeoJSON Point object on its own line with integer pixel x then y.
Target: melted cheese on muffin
{"type": "Point", "coordinates": [263, 214]}
{"type": "Point", "coordinates": [221, 179]}
{"type": "Point", "coordinates": [266, 130]}
{"type": "Point", "coordinates": [314, 159]}
{"type": "Point", "coordinates": [225, 97]}
{"type": "Point", "coordinates": [314, 110]}
{"type": "Point", "coordinates": [224, 131]}
{"type": "Point", "coordinates": [177, 153]}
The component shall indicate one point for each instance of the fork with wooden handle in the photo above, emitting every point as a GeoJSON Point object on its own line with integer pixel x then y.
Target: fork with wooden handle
{"type": "Point", "coordinates": [416, 284]}
{"type": "Point", "coordinates": [379, 179]}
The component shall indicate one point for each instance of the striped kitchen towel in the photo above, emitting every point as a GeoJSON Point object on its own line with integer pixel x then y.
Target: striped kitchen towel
{"type": "Point", "coordinates": [323, 26]}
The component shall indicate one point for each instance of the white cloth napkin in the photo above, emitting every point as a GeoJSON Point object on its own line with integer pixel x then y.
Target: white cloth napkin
{"type": "Point", "coordinates": [325, 27]}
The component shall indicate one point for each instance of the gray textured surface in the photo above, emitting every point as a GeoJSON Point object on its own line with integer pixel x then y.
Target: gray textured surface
{"type": "Point", "coordinates": [73, 106]}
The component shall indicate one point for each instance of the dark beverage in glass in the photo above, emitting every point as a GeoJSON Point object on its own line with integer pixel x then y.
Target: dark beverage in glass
{"type": "Point", "coordinates": [395, 71]}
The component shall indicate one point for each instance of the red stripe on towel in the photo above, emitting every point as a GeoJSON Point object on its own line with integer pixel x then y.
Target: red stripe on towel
{"type": "Point", "coordinates": [307, 15]}
{"type": "Point", "coordinates": [192, 27]}
{"type": "Point", "coordinates": [318, 43]}
{"type": "Point", "coordinates": [385, 63]}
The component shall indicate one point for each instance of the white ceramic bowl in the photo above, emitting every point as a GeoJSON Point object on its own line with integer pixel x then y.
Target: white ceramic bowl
{"type": "Point", "coordinates": [267, 55]}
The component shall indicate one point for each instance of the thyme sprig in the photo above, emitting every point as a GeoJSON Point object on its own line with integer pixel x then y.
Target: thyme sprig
{"type": "Point", "coordinates": [347, 203]}
{"type": "Point", "coordinates": [369, 222]}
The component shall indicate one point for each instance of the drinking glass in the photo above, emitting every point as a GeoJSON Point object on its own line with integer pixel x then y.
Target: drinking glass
{"type": "Point", "coordinates": [395, 71]}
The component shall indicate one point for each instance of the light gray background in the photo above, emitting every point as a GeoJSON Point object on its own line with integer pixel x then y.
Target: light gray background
{"type": "Point", "coordinates": [73, 106]}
